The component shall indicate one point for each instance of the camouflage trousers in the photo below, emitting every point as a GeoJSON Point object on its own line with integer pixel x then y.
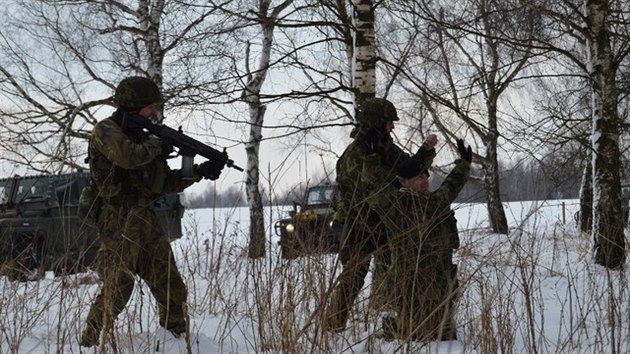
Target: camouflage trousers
{"type": "Point", "coordinates": [359, 246]}
{"type": "Point", "coordinates": [132, 244]}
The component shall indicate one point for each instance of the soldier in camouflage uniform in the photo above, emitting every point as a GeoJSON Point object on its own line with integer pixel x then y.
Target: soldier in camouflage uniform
{"type": "Point", "coordinates": [425, 232]}
{"type": "Point", "coordinates": [129, 172]}
{"type": "Point", "coordinates": [363, 235]}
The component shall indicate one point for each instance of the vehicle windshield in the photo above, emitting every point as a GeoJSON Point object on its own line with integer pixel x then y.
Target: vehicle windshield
{"type": "Point", "coordinates": [32, 188]}
{"type": "Point", "coordinates": [65, 189]}
{"type": "Point", "coordinates": [318, 196]}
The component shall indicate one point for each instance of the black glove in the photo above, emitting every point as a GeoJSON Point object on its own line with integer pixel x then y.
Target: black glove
{"type": "Point", "coordinates": [167, 148]}
{"type": "Point", "coordinates": [464, 152]}
{"type": "Point", "coordinates": [372, 140]}
{"type": "Point", "coordinates": [211, 169]}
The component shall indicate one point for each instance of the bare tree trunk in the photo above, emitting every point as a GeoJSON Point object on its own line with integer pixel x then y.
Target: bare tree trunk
{"type": "Point", "coordinates": [586, 199]}
{"type": "Point", "coordinates": [251, 95]}
{"type": "Point", "coordinates": [607, 213]}
{"type": "Point", "coordinates": [149, 14]}
{"type": "Point", "coordinates": [493, 90]}
{"type": "Point", "coordinates": [496, 213]}
{"type": "Point", "coordinates": [254, 198]}
{"type": "Point", "coordinates": [364, 74]}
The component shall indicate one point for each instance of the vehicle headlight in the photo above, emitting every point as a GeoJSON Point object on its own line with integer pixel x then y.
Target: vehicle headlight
{"type": "Point", "coordinates": [289, 228]}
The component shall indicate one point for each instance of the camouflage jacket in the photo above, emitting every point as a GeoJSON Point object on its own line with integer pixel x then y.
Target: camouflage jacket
{"type": "Point", "coordinates": [352, 192]}
{"type": "Point", "coordinates": [416, 219]}
{"type": "Point", "coordinates": [127, 166]}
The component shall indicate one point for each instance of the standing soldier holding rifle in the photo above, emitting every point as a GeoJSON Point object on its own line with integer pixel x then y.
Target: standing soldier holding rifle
{"type": "Point", "coordinates": [128, 172]}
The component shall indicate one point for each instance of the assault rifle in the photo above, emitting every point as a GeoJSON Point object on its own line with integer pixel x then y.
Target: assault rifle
{"type": "Point", "coordinates": [188, 147]}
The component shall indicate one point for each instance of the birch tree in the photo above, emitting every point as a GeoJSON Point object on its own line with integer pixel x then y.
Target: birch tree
{"type": "Point", "coordinates": [251, 95]}
{"type": "Point", "coordinates": [600, 29]}
{"type": "Point", "coordinates": [608, 219]}
{"type": "Point", "coordinates": [460, 70]}
{"type": "Point", "coordinates": [364, 50]}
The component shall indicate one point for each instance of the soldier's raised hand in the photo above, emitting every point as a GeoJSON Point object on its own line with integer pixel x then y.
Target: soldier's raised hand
{"type": "Point", "coordinates": [430, 142]}
{"type": "Point", "coordinates": [464, 152]}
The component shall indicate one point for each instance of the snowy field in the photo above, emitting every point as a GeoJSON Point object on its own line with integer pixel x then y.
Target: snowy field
{"type": "Point", "coordinates": [535, 290]}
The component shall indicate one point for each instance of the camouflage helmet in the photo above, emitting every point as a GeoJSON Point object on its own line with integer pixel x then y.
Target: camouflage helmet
{"type": "Point", "coordinates": [137, 92]}
{"type": "Point", "coordinates": [374, 112]}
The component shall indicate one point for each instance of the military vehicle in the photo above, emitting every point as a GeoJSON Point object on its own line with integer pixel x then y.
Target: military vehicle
{"type": "Point", "coordinates": [40, 230]}
{"type": "Point", "coordinates": [308, 229]}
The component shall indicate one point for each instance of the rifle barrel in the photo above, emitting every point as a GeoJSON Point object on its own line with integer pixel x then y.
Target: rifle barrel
{"type": "Point", "coordinates": [186, 144]}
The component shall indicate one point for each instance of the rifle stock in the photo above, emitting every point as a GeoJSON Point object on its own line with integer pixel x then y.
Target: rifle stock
{"type": "Point", "coordinates": [188, 147]}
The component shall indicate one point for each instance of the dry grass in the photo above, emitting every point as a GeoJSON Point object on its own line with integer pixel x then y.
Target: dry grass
{"type": "Point", "coordinates": [533, 291]}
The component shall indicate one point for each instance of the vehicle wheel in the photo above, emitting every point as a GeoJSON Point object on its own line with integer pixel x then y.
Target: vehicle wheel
{"type": "Point", "coordinates": [26, 258]}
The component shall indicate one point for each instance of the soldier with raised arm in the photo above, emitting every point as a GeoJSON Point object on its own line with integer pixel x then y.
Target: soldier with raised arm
{"type": "Point", "coordinates": [424, 235]}
{"type": "Point", "coordinates": [363, 236]}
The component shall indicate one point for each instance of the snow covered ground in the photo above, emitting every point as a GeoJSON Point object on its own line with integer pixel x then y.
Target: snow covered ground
{"type": "Point", "coordinates": [535, 290]}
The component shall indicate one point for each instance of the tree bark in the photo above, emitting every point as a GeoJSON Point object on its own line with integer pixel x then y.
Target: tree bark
{"type": "Point", "coordinates": [251, 95]}
{"type": "Point", "coordinates": [586, 199]}
{"type": "Point", "coordinates": [496, 212]}
{"type": "Point", "coordinates": [607, 214]}
{"type": "Point", "coordinates": [256, 212]}
{"type": "Point", "coordinates": [364, 74]}
{"type": "Point", "coordinates": [149, 14]}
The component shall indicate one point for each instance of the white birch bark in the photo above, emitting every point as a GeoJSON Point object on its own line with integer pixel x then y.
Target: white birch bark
{"type": "Point", "coordinates": [364, 68]}
{"type": "Point", "coordinates": [586, 199]}
{"type": "Point", "coordinates": [251, 95]}
{"type": "Point", "coordinates": [492, 88]}
{"type": "Point", "coordinates": [608, 228]}
{"type": "Point", "coordinates": [149, 14]}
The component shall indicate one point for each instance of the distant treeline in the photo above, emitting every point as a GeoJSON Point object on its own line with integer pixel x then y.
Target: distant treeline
{"type": "Point", "coordinates": [524, 182]}
{"type": "Point", "coordinates": [235, 197]}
